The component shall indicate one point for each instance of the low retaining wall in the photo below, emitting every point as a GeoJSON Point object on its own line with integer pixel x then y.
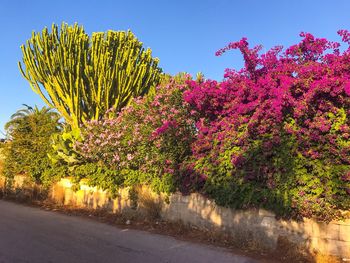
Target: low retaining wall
{"type": "Point", "coordinates": [259, 226]}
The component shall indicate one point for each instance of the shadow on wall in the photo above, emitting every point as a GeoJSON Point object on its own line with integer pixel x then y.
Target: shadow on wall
{"type": "Point", "coordinates": [89, 197]}
{"type": "Point", "coordinates": [21, 188]}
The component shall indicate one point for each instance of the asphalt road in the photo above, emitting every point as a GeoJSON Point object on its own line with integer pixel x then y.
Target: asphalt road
{"type": "Point", "coordinates": [30, 234]}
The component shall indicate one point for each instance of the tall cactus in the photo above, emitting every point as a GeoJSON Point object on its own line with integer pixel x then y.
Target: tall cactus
{"type": "Point", "coordinates": [81, 76]}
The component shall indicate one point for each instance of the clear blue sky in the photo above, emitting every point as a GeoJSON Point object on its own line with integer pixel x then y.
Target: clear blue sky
{"type": "Point", "coordinates": [184, 35]}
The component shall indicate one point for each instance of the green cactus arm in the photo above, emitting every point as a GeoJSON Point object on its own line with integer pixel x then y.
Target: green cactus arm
{"type": "Point", "coordinates": [81, 76]}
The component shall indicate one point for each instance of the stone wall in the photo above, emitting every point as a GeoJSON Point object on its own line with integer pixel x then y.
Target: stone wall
{"type": "Point", "coordinates": [261, 225]}
{"type": "Point", "coordinates": [258, 226]}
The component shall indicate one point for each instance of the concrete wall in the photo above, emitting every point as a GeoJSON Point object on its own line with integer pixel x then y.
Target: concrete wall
{"type": "Point", "coordinates": [258, 226]}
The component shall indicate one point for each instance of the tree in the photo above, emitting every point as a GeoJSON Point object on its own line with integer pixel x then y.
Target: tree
{"type": "Point", "coordinates": [83, 77]}
{"type": "Point", "coordinates": [28, 115]}
{"type": "Point", "coordinates": [29, 132]}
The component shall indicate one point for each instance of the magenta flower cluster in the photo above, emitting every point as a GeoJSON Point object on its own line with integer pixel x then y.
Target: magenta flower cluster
{"type": "Point", "coordinates": [300, 98]}
{"type": "Point", "coordinates": [150, 139]}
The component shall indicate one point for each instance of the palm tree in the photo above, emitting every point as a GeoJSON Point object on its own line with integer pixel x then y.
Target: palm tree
{"type": "Point", "coordinates": [30, 117]}
{"type": "Point", "coordinates": [29, 132]}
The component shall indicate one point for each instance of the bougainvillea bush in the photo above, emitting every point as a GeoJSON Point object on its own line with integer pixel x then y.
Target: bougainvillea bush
{"type": "Point", "coordinates": [276, 133]}
{"type": "Point", "coordinates": [148, 142]}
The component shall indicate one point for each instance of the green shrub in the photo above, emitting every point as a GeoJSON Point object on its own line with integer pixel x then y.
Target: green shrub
{"type": "Point", "coordinates": [26, 151]}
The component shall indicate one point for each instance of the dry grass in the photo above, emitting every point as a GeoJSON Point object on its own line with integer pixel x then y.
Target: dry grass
{"type": "Point", "coordinates": [290, 252]}
{"type": "Point", "coordinates": [148, 204]}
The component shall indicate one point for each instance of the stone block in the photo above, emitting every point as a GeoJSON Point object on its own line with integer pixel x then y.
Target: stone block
{"type": "Point", "coordinates": [308, 227]}
{"type": "Point", "coordinates": [215, 217]}
{"type": "Point", "coordinates": [344, 233]}
{"type": "Point", "coordinates": [325, 231]}
{"type": "Point", "coordinates": [68, 196]}
{"type": "Point", "coordinates": [263, 213]}
{"type": "Point", "coordinates": [314, 244]}
{"type": "Point", "coordinates": [195, 206]}
{"type": "Point", "coordinates": [175, 198]}
{"type": "Point", "coordinates": [172, 216]}
{"type": "Point", "coordinates": [300, 229]}
{"type": "Point", "coordinates": [80, 198]}
{"type": "Point", "coordinates": [269, 222]}
{"type": "Point", "coordinates": [185, 199]}
{"type": "Point", "coordinates": [334, 247]}
{"type": "Point", "coordinates": [206, 212]}
{"type": "Point", "coordinates": [198, 199]}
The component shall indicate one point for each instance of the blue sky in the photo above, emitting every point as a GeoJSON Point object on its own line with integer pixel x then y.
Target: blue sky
{"type": "Point", "coordinates": [184, 35]}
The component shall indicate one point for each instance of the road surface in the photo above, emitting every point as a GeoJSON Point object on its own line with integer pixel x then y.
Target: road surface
{"type": "Point", "coordinates": [30, 234]}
